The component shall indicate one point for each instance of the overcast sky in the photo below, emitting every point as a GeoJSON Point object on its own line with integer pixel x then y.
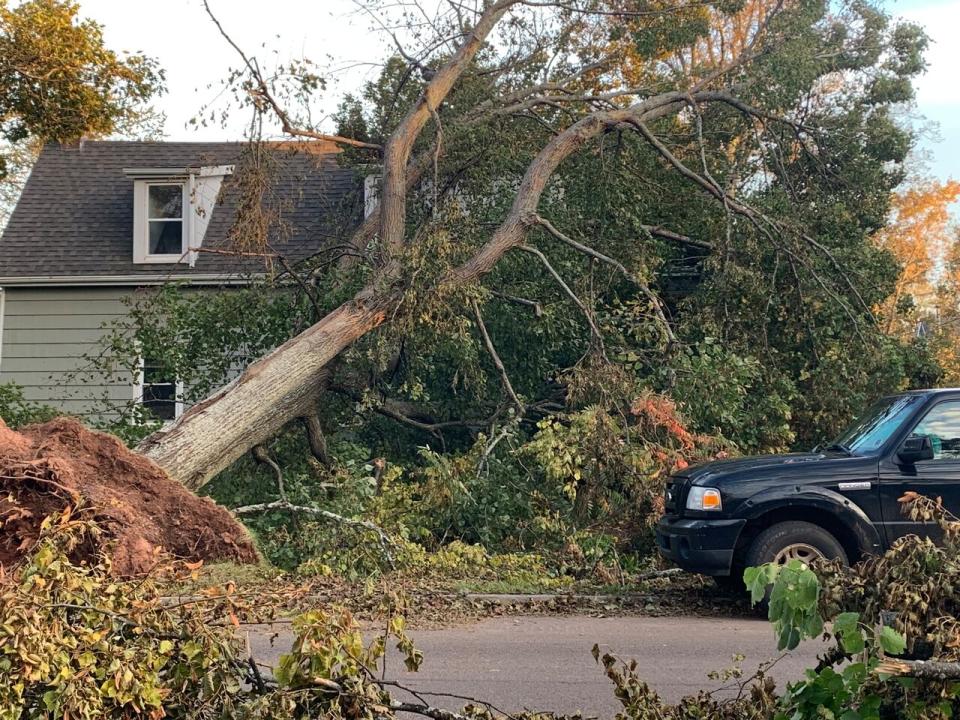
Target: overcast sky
{"type": "Point", "coordinates": [334, 34]}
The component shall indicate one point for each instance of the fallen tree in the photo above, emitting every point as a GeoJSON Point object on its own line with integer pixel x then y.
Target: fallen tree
{"type": "Point", "coordinates": [593, 99]}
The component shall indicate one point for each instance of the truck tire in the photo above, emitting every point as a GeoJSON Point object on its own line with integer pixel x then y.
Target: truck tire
{"type": "Point", "coordinates": [794, 539]}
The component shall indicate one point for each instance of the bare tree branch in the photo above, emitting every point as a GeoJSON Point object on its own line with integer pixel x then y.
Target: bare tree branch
{"type": "Point", "coordinates": [594, 330]}
{"type": "Point", "coordinates": [537, 309]}
{"type": "Point", "coordinates": [262, 93]}
{"type": "Point", "coordinates": [497, 362]}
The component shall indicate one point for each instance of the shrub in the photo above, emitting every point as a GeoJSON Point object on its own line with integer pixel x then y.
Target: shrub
{"type": "Point", "coordinates": [16, 411]}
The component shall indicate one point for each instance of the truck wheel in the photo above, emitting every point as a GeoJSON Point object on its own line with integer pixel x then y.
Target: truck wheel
{"type": "Point", "coordinates": [794, 540]}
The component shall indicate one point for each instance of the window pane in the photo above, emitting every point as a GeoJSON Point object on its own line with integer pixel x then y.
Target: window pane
{"type": "Point", "coordinates": [874, 427]}
{"type": "Point", "coordinates": [166, 237]}
{"type": "Point", "coordinates": [153, 373]}
{"type": "Point", "coordinates": [166, 201]}
{"type": "Point", "coordinates": [942, 426]}
{"type": "Point", "coordinates": [161, 400]}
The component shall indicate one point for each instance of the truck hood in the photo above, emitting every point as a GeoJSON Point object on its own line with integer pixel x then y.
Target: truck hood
{"type": "Point", "coordinates": [766, 466]}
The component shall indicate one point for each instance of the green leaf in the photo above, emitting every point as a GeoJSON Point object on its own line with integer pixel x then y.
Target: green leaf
{"type": "Point", "coordinates": [845, 622]}
{"type": "Point", "coordinates": [846, 626]}
{"type": "Point", "coordinates": [892, 642]}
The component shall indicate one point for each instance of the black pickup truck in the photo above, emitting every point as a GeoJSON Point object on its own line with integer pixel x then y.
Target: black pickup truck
{"type": "Point", "coordinates": [838, 501]}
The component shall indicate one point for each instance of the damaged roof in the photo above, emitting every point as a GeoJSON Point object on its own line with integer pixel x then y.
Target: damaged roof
{"type": "Point", "coordinates": [73, 223]}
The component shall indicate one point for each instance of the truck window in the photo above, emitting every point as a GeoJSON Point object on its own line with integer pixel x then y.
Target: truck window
{"type": "Point", "coordinates": [942, 426]}
{"type": "Point", "coordinates": [874, 427]}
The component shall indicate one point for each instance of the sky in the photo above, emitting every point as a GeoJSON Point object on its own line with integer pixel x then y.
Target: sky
{"type": "Point", "coordinates": [339, 37]}
{"type": "Point", "coordinates": [938, 90]}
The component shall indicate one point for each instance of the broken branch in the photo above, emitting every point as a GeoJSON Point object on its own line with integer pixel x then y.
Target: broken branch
{"type": "Point", "coordinates": [386, 542]}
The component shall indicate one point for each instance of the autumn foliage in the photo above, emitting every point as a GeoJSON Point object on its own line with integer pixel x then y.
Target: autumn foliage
{"type": "Point", "coordinates": [918, 236]}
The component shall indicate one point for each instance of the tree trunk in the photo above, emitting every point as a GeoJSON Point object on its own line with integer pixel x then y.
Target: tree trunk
{"type": "Point", "coordinates": [287, 383]}
{"type": "Point", "coordinates": [284, 385]}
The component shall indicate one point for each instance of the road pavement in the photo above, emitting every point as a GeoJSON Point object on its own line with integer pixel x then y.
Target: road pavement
{"type": "Point", "coordinates": [544, 663]}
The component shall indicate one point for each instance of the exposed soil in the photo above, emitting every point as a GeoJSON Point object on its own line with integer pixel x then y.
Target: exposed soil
{"type": "Point", "coordinates": [58, 464]}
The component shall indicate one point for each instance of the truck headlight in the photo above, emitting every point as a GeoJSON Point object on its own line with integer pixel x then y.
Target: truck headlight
{"type": "Point", "coordinates": [704, 498]}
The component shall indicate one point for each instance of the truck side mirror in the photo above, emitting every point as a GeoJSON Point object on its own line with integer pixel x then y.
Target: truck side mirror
{"type": "Point", "coordinates": [914, 449]}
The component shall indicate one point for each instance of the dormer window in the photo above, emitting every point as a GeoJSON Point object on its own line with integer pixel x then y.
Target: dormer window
{"type": "Point", "coordinates": [171, 210]}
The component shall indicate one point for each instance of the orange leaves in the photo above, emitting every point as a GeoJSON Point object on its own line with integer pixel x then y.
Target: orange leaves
{"type": "Point", "coordinates": [918, 236]}
{"type": "Point", "coordinates": [659, 412]}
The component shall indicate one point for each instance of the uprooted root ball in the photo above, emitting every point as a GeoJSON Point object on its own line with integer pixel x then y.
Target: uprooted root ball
{"type": "Point", "coordinates": [47, 467]}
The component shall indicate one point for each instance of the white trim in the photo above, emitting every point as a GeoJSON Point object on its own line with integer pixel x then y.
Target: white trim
{"type": "Point", "coordinates": [178, 173]}
{"type": "Point", "coordinates": [141, 222]}
{"type": "Point", "coordinates": [189, 221]}
{"type": "Point", "coordinates": [169, 173]}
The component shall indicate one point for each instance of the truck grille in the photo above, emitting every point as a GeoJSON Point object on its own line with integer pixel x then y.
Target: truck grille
{"type": "Point", "coordinates": [673, 495]}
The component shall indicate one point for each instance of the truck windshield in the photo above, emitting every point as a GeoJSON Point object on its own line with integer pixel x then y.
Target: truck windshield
{"type": "Point", "coordinates": [874, 427]}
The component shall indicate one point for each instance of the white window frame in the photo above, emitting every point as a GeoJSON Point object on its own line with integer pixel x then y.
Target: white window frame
{"type": "Point", "coordinates": [141, 222]}
{"type": "Point", "coordinates": [138, 387]}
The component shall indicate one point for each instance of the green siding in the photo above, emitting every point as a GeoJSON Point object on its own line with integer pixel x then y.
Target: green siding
{"type": "Point", "coordinates": [46, 332]}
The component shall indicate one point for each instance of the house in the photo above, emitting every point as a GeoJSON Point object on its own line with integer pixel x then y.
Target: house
{"type": "Point", "coordinates": [98, 220]}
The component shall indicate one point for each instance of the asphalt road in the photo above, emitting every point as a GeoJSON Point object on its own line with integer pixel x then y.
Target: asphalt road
{"type": "Point", "coordinates": [544, 663]}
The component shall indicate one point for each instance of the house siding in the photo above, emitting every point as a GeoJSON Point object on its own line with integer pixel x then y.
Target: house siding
{"type": "Point", "coordinates": [46, 332]}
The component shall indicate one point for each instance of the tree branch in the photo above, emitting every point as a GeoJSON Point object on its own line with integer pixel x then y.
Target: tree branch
{"type": "Point", "coordinates": [594, 330]}
{"type": "Point", "coordinates": [386, 542]}
{"type": "Point", "coordinates": [316, 439]}
{"type": "Point", "coordinates": [260, 453]}
{"type": "Point", "coordinates": [497, 362]}
{"type": "Point", "coordinates": [597, 255]}
{"type": "Point", "coordinates": [393, 196]}
{"type": "Point", "coordinates": [537, 309]}
{"type": "Point", "coordinates": [662, 232]}
{"type": "Point", "coordinates": [262, 94]}
{"type": "Point", "coordinates": [924, 669]}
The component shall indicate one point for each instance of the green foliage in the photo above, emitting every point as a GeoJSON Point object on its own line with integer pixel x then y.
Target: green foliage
{"type": "Point", "coordinates": [903, 603]}
{"type": "Point", "coordinates": [732, 395]}
{"type": "Point", "coordinates": [76, 643]}
{"type": "Point", "coordinates": [16, 411]}
{"type": "Point", "coordinates": [793, 599]}
{"type": "Point", "coordinates": [61, 82]}
{"type": "Point", "coordinates": [795, 612]}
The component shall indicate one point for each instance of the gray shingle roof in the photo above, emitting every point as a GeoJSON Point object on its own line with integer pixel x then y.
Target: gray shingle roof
{"type": "Point", "coordinates": [75, 217]}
